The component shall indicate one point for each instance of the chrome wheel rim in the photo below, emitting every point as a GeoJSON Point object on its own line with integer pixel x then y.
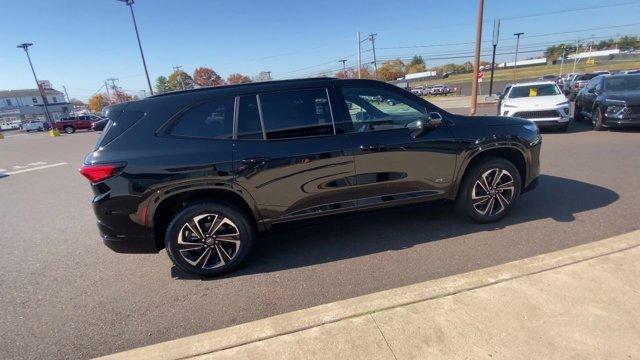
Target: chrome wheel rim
{"type": "Point", "coordinates": [208, 241]}
{"type": "Point", "coordinates": [493, 192]}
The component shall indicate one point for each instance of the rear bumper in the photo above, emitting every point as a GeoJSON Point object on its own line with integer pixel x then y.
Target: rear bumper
{"type": "Point", "coordinates": [127, 244]}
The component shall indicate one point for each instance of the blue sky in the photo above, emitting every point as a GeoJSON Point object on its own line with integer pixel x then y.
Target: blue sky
{"type": "Point", "coordinates": [79, 43]}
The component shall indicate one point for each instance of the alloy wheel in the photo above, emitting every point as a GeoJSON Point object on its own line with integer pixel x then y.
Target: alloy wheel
{"type": "Point", "coordinates": [493, 192]}
{"type": "Point", "coordinates": [208, 241]}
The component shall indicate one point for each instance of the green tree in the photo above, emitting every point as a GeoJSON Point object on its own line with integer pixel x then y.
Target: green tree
{"type": "Point", "coordinates": [204, 76]}
{"type": "Point", "coordinates": [179, 80]}
{"type": "Point", "coordinates": [416, 65]}
{"type": "Point", "coordinates": [162, 85]}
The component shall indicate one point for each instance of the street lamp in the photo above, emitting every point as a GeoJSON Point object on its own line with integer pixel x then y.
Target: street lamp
{"type": "Point", "coordinates": [25, 47]}
{"type": "Point", "coordinates": [515, 63]}
{"type": "Point", "coordinates": [135, 26]}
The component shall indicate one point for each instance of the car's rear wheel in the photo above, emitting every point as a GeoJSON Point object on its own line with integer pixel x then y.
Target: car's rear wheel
{"type": "Point", "coordinates": [596, 120]}
{"type": "Point", "coordinates": [209, 238]}
{"type": "Point", "coordinates": [69, 129]}
{"type": "Point", "coordinates": [489, 190]}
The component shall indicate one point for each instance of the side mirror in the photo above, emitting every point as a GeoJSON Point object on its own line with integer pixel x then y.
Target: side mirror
{"type": "Point", "coordinates": [500, 95]}
{"type": "Point", "coordinates": [591, 90]}
{"type": "Point", "coordinates": [419, 126]}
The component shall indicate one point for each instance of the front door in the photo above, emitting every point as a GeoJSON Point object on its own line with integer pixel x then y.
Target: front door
{"type": "Point", "coordinates": [288, 156]}
{"type": "Point", "coordinates": [392, 164]}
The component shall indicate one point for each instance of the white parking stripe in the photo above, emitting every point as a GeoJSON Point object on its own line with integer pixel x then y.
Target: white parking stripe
{"type": "Point", "coordinates": [33, 168]}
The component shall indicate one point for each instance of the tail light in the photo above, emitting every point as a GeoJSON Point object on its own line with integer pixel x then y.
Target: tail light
{"type": "Point", "coordinates": [99, 172]}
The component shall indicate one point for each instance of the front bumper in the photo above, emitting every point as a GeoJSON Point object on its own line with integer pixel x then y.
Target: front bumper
{"type": "Point", "coordinates": [552, 122]}
{"type": "Point", "coordinates": [621, 122]}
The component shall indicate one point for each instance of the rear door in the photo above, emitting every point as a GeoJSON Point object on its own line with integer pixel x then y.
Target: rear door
{"type": "Point", "coordinates": [288, 157]}
{"type": "Point", "coordinates": [391, 164]}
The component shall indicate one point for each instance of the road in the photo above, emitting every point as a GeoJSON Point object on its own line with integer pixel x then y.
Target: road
{"type": "Point", "coordinates": [65, 295]}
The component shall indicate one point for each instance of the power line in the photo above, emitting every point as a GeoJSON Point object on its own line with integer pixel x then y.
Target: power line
{"type": "Point", "coordinates": [509, 39]}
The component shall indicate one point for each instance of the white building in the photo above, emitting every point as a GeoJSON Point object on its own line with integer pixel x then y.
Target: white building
{"type": "Point", "coordinates": [27, 104]}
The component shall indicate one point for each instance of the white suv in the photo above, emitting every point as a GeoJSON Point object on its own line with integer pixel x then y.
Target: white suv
{"type": "Point", "coordinates": [541, 102]}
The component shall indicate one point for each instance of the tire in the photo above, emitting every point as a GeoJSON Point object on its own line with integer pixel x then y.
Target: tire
{"type": "Point", "coordinates": [224, 255]}
{"type": "Point", "coordinates": [69, 129]}
{"type": "Point", "coordinates": [472, 186]}
{"type": "Point", "coordinates": [596, 120]}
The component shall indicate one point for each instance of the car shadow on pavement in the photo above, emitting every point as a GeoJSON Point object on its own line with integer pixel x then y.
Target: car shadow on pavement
{"type": "Point", "coordinates": [354, 235]}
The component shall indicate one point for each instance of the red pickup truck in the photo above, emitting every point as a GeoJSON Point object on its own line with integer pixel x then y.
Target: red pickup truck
{"type": "Point", "coordinates": [70, 124]}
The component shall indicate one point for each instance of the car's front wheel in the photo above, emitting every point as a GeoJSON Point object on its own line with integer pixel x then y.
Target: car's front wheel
{"type": "Point", "coordinates": [209, 238]}
{"type": "Point", "coordinates": [596, 120]}
{"type": "Point", "coordinates": [489, 190]}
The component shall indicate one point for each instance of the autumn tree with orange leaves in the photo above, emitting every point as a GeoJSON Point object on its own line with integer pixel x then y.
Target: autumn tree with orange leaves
{"type": "Point", "coordinates": [238, 79]}
{"type": "Point", "coordinates": [204, 76]}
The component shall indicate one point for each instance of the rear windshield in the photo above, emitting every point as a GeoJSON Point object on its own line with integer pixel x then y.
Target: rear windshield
{"type": "Point", "coordinates": [586, 76]}
{"type": "Point", "coordinates": [534, 90]}
{"type": "Point", "coordinates": [119, 121]}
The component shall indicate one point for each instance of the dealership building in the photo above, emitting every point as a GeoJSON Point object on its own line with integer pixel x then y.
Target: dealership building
{"type": "Point", "coordinates": [27, 104]}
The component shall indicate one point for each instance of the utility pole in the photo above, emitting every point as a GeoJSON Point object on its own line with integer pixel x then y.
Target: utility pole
{"type": "Point", "coordinates": [25, 47]}
{"type": "Point", "coordinates": [564, 52]}
{"type": "Point", "coordinates": [359, 54]}
{"type": "Point", "coordinates": [496, 35]}
{"type": "Point", "coordinates": [344, 68]}
{"type": "Point", "coordinates": [575, 60]}
{"type": "Point", "coordinates": [113, 87]}
{"type": "Point", "coordinates": [135, 26]}
{"type": "Point", "coordinates": [476, 67]}
{"type": "Point", "coordinates": [106, 87]}
{"type": "Point", "coordinates": [372, 38]}
{"type": "Point", "coordinates": [515, 62]}
{"type": "Point", "coordinates": [73, 109]}
{"type": "Point", "coordinates": [176, 69]}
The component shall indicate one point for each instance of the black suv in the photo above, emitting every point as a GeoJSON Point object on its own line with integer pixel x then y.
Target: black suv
{"type": "Point", "coordinates": [203, 172]}
{"type": "Point", "coordinates": [610, 101]}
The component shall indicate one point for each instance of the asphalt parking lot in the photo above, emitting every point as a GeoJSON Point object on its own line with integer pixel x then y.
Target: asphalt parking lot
{"type": "Point", "coordinates": [65, 295]}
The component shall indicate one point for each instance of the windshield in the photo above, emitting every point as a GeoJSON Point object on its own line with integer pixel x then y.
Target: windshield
{"type": "Point", "coordinates": [623, 83]}
{"type": "Point", "coordinates": [586, 77]}
{"type": "Point", "coordinates": [534, 90]}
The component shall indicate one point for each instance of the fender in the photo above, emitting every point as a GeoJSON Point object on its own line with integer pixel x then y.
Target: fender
{"type": "Point", "coordinates": [482, 146]}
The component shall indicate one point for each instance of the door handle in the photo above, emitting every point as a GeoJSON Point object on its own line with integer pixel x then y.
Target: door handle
{"type": "Point", "coordinates": [372, 147]}
{"type": "Point", "coordinates": [255, 161]}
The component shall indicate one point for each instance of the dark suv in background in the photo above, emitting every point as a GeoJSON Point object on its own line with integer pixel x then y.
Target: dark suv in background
{"type": "Point", "coordinates": [610, 101]}
{"type": "Point", "coordinates": [202, 172]}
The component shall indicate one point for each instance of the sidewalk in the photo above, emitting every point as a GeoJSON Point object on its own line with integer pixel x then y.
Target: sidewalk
{"type": "Point", "coordinates": [582, 302]}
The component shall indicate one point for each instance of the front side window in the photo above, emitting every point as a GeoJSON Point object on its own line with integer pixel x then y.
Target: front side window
{"type": "Point", "coordinates": [212, 119]}
{"type": "Point", "coordinates": [296, 113]}
{"type": "Point", "coordinates": [374, 109]}
{"type": "Point", "coordinates": [622, 83]}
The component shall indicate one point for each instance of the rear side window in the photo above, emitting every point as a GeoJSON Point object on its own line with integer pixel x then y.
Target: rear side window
{"type": "Point", "coordinates": [296, 113]}
{"type": "Point", "coordinates": [212, 119]}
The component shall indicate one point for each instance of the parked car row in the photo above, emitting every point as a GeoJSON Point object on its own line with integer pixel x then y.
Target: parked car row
{"type": "Point", "coordinates": [432, 90]}
{"type": "Point", "coordinates": [605, 100]}
{"type": "Point", "coordinates": [68, 125]}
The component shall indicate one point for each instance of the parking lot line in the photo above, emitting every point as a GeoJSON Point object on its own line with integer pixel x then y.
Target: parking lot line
{"type": "Point", "coordinates": [34, 168]}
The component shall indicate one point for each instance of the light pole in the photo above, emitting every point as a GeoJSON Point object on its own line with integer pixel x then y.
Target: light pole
{"type": "Point", "coordinates": [25, 47]}
{"type": "Point", "coordinates": [564, 52]}
{"type": "Point", "coordinates": [515, 62]}
{"type": "Point", "coordinates": [135, 26]}
{"type": "Point", "coordinates": [494, 42]}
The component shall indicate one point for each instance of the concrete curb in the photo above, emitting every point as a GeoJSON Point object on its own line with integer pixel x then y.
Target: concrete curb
{"type": "Point", "coordinates": [329, 313]}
